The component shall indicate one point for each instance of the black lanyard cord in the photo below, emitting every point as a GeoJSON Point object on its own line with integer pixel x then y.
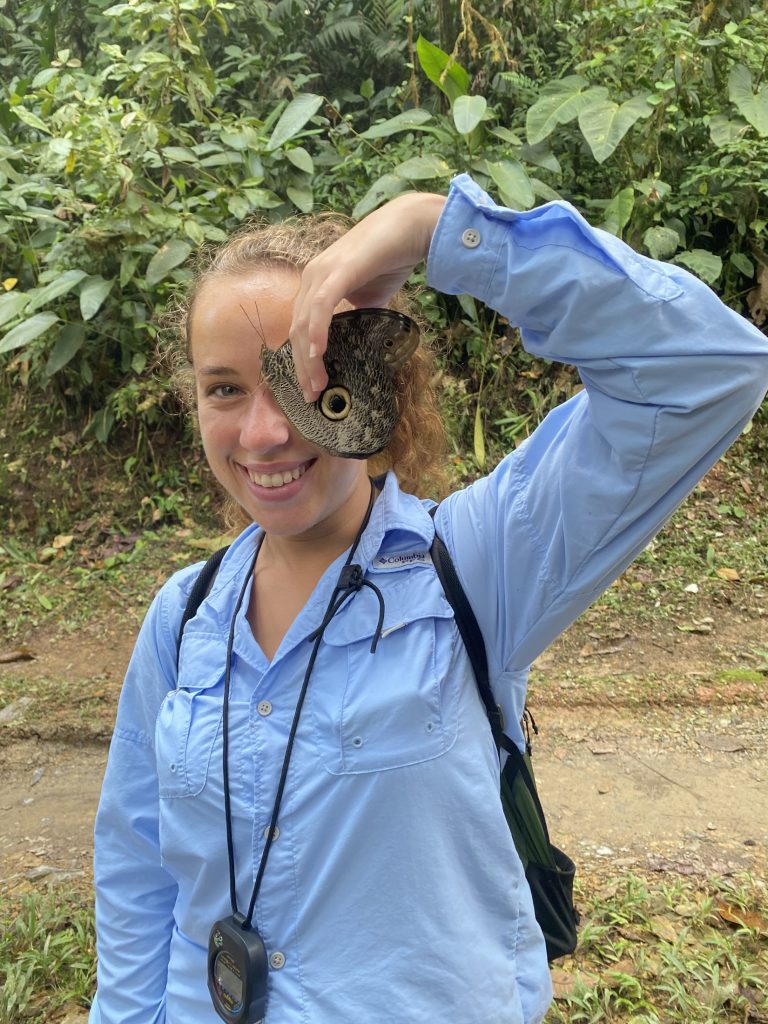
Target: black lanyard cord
{"type": "Point", "coordinates": [350, 580]}
{"type": "Point", "coordinates": [225, 729]}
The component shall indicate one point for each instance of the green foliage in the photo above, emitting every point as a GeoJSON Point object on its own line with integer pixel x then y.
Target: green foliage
{"type": "Point", "coordinates": [653, 953]}
{"type": "Point", "coordinates": [133, 133]}
{"type": "Point", "coordinates": [46, 957]}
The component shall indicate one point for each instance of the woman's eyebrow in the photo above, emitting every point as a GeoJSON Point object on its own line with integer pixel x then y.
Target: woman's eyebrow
{"type": "Point", "coordinates": [218, 371]}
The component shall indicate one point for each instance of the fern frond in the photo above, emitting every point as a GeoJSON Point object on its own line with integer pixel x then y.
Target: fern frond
{"type": "Point", "coordinates": [341, 33]}
{"type": "Point", "coordinates": [284, 9]}
{"type": "Point", "coordinates": [385, 49]}
{"type": "Point", "coordinates": [519, 80]}
{"type": "Point", "coordinates": [387, 14]}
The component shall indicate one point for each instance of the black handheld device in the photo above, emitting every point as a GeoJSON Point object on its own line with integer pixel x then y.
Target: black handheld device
{"type": "Point", "coordinates": [237, 971]}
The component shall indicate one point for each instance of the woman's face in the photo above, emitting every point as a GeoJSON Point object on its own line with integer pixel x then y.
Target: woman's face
{"type": "Point", "coordinates": [286, 484]}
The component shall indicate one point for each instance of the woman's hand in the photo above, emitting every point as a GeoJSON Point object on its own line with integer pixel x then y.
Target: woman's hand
{"type": "Point", "coordinates": [365, 267]}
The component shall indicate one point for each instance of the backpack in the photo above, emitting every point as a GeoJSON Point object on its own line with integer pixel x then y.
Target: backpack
{"type": "Point", "coordinates": [548, 870]}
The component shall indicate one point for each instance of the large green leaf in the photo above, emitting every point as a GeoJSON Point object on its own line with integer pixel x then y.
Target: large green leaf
{"type": "Point", "coordinates": [60, 147]}
{"type": "Point", "coordinates": [31, 119]}
{"type": "Point", "coordinates": [422, 168]}
{"type": "Point", "coordinates": [63, 284]}
{"type": "Point", "coordinates": [541, 156]}
{"type": "Point", "coordinates": [11, 304]}
{"type": "Point", "coordinates": [544, 191]}
{"type": "Point", "coordinates": [661, 242]}
{"type": "Point", "coordinates": [449, 76]}
{"type": "Point", "coordinates": [179, 155]}
{"type": "Point", "coordinates": [618, 211]}
{"type": "Point", "coordinates": [559, 102]}
{"type": "Point", "coordinates": [222, 159]}
{"type": "Point", "coordinates": [469, 306]}
{"type": "Point", "coordinates": [468, 112]}
{"type": "Point", "coordinates": [101, 424]}
{"type": "Point", "coordinates": [752, 105]}
{"type": "Point", "coordinates": [723, 130]}
{"type": "Point", "coordinates": [240, 138]}
{"type": "Point", "coordinates": [260, 199]}
{"type": "Point", "coordinates": [705, 264]}
{"type": "Point", "coordinates": [507, 135]}
{"type": "Point", "coordinates": [92, 295]}
{"type": "Point", "coordinates": [386, 187]}
{"type": "Point", "coordinates": [604, 124]}
{"type": "Point", "coordinates": [238, 206]}
{"type": "Point", "coordinates": [293, 118]}
{"type": "Point", "coordinates": [399, 123]}
{"type": "Point", "coordinates": [513, 183]}
{"type": "Point", "coordinates": [301, 197]}
{"type": "Point", "coordinates": [27, 331]}
{"type": "Point", "coordinates": [165, 259]}
{"type": "Point", "coordinates": [300, 159]}
{"type": "Point", "coordinates": [743, 264]}
{"type": "Point", "coordinates": [68, 344]}
{"type": "Point", "coordinates": [42, 78]}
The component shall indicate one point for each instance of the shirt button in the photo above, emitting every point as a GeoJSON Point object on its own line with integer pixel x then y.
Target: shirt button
{"type": "Point", "coordinates": [277, 960]}
{"type": "Point", "coordinates": [275, 833]}
{"type": "Point", "coordinates": [264, 708]}
{"type": "Point", "coordinates": [470, 238]}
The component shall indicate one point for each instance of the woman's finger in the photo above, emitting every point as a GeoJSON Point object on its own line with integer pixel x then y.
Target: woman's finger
{"type": "Point", "coordinates": [364, 267]}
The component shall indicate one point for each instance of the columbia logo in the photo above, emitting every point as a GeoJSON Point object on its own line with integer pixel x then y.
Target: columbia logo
{"type": "Point", "coordinates": [401, 560]}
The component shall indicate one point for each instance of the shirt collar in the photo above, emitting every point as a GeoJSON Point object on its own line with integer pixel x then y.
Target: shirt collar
{"type": "Point", "coordinates": [400, 522]}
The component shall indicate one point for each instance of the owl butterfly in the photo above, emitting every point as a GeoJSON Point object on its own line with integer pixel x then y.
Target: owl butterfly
{"type": "Point", "coordinates": [356, 414]}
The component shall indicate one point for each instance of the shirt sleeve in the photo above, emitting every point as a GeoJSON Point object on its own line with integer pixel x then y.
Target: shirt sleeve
{"type": "Point", "coordinates": [135, 895]}
{"type": "Point", "coordinates": [671, 377]}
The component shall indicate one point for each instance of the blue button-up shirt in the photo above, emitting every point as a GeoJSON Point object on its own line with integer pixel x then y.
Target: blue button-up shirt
{"type": "Point", "coordinates": [393, 892]}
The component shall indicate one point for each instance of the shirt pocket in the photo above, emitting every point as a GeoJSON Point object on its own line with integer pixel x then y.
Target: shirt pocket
{"type": "Point", "coordinates": [394, 707]}
{"type": "Point", "coordinates": [186, 729]}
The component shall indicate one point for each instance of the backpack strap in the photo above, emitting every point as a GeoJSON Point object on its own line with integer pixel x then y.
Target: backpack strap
{"type": "Point", "coordinates": [472, 636]}
{"type": "Point", "coordinates": [198, 593]}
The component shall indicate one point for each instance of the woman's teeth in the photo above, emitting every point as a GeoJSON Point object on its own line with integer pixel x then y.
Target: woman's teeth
{"type": "Point", "coordinates": [278, 479]}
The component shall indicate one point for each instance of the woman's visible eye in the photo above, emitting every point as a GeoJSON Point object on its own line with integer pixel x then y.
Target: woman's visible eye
{"type": "Point", "coordinates": [223, 391]}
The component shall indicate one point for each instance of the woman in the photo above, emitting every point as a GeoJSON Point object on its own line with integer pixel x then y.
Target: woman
{"type": "Point", "coordinates": [390, 889]}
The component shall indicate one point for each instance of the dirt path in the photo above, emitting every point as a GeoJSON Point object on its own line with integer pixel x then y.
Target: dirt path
{"type": "Point", "coordinates": [651, 754]}
{"type": "Point", "coordinates": [634, 795]}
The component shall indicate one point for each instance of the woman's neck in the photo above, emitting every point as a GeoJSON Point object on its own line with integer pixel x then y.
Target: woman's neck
{"type": "Point", "coordinates": [317, 548]}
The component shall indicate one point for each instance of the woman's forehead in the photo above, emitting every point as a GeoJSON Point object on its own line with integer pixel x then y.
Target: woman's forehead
{"type": "Point", "coordinates": [277, 283]}
{"type": "Point", "coordinates": [229, 306]}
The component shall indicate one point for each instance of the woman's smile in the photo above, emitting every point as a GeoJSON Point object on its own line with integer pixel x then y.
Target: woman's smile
{"type": "Point", "coordinates": [277, 478]}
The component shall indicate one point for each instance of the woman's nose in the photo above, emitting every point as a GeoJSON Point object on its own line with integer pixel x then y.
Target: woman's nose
{"type": "Point", "coordinates": [264, 425]}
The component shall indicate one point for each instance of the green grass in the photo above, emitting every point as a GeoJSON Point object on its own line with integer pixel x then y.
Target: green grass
{"type": "Point", "coordinates": [73, 709]}
{"type": "Point", "coordinates": [40, 586]}
{"type": "Point", "coordinates": [47, 956]}
{"type": "Point", "coordinates": [711, 550]}
{"type": "Point", "coordinates": [651, 951]}
{"type": "Point", "coordinates": [660, 952]}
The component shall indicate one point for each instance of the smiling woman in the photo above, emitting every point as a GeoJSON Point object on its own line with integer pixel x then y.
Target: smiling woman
{"type": "Point", "coordinates": [315, 738]}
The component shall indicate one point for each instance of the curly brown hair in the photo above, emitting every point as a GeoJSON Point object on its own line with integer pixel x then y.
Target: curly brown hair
{"type": "Point", "coordinates": [417, 449]}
